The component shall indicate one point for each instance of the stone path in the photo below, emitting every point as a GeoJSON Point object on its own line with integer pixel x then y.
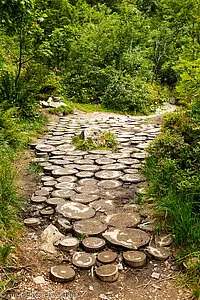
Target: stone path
{"type": "Point", "coordinates": [84, 207]}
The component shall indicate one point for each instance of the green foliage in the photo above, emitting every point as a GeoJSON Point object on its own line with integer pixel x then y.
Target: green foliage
{"type": "Point", "coordinates": [35, 169]}
{"type": "Point", "coordinates": [62, 110]}
{"type": "Point", "coordinates": [5, 250]}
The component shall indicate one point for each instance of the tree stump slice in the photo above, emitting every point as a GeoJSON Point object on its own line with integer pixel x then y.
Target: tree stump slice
{"type": "Point", "coordinates": [107, 174]}
{"type": "Point", "coordinates": [42, 193]}
{"type": "Point", "coordinates": [118, 155]}
{"type": "Point", "coordinates": [109, 184]}
{"type": "Point", "coordinates": [84, 198]}
{"type": "Point", "coordinates": [107, 273]}
{"type": "Point", "coordinates": [100, 152]}
{"type": "Point", "coordinates": [83, 260]}
{"type": "Point", "coordinates": [115, 167]}
{"type": "Point", "coordinates": [158, 253]}
{"type": "Point", "coordinates": [62, 273]}
{"type": "Point", "coordinates": [84, 174]}
{"type": "Point", "coordinates": [123, 220]}
{"type": "Point", "coordinates": [65, 186]}
{"type": "Point", "coordinates": [93, 244]}
{"type": "Point", "coordinates": [63, 225]}
{"type": "Point", "coordinates": [105, 161]}
{"type": "Point", "coordinates": [32, 222]}
{"type": "Point", "coordinates": [66, 179]}
{"type": "Point", "coordinates": [128, 161]}
{"type": "Point", "coordinates": [93, 156]}
{"type": "Point", "coordinates": [131, 171]}
{"type": "Point", "coordinates": [69, 243]}
{"type": "Point", "coordinates": [84, 162]}
{"type": "Point", "coordinates": [133, 178]}
{"type": "Point", "coordinates": [50, 183]}
{"type": "Point", "coordinates": [47, 211]}
{"type": "Point", "coordinates": [63, 172]}
{"type": "Point", "coordinates": [139, 155]}
{"type": "Point", "coordinates": [89, 227]}
{"type": "Point", "coordinates": [38, 199]}
{"type": "Point", "coordinates": [66, 194]}
{"type": "Point", "coordinates": [55, 201]}
{"type": "Point", "coordinates": [75, 210]}
{"type": "Point", "coordinates": [87, 181]}
{"type": "Point", "coordinates": [46, 178]}
{"type": "Point", "coordinates": [87, 189]}
{"type": "Point", "coordinates": [128, 238]}
{"type": "Point", "coordinates": [65, 147]}
{"type": "Point", "coordinates": [45, 148]}
{"type": "Point", "coordinates": [88, 168]}
{"type": "Point", "coordinates": [103, 205]}
{"type": "Point", "coordinates": [135, 259]}
{"type": "Point", "coordinates": [107, 257]}
{"type": "Point", "coordinates": [163, 240]}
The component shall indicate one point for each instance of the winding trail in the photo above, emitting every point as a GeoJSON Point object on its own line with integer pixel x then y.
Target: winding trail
{"type": "Point", "coordinates": [84, 206]}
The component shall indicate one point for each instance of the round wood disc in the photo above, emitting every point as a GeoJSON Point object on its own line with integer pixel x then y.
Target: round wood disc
{"type": "Point", "coordinates": [107, 174]}
{"type": "Point", "coordinates": [105, 161]}
{"type": "Point", "coordinates": [100, 152]}
{"type": "Point", "coordinates": [47, 211]}
{"type": "Point", "coordinates": [84, 161]}
{"type": "Point", "coordinates": [123, 219]}
{"type": "Point", "coordinates": [87, 181]}
{"type": "Point", "coordinates": [135, 259]}
{"type": "Point", "coordinates": [131, 171]}
{"type": "Point", "coordinates": [84, 198]}
{"type": "Point", "coordinates": [163, 240]}
{"type": "Point", "coordinates": [83, 260]}
{"type": "Point", "coordinates": [65, 147]}
{"type": "Point", "coordinates": [116, 166]}
{"type": "Point", "coordinates": [118, 155]}
{"type": "Point", "coordinates": [63, 172]}
{"type": "Point", "coordinates": [89, 168]}
{"type": "Point", "coordinates": [107, 257]}
{"type": "Point", "coordinates": [158, 252]}
{"type": "Point", "coordinates": [103, 205]}
{"type": "Point", "coordinates": [66, 179]}
{"type": "Point", "coordinates": [62, 273]}
{"type": "Point", "coordinates": [75, 210]}
{"type": "Point", "coordinates": [69, 243]}
{"type": "Point", "coordinates": [109, 184]}
{"type": "Point", "coordinates": [43, 193]}
{"type": "Point", "coordinates": [46, 178]}
{"type": "Point", "coordinates": [139, 155]}
{"type": "Point", "coordinates": [45, 148]}
{"type": "Point", "coordinates": [50, 183]}
{"type": "Point", "coordinates": [31, 222]}
{"type": "Point", "coordinates": [55, 201]}
{"type": "Point", "coordinates": [93, 244]}
{"type": "Point", "coordinates": [87, 189]}
{"type": "Point", "coordinates": [89, 227]}
{"type": "Point", "coordinates": [93, 156]}
{"type": "Point", "coordinates": [38, 199]}
{"type": "Point", "coordinates": [133, 178]}
{"type": "Point", "coordinates": [84, 174]}
{"type": "Point", "coordinates": [63, 225]}
{"type": "Point", "coordinates": [107, 273]}
{"type": "Point", "coordinates": [66, 194]}
{"type": "Point", "coordinates": [128, 238]}
{"type": "Point", "coordinates": [128, 161]}
{"type": "Point", "coordinates": [65, 185]}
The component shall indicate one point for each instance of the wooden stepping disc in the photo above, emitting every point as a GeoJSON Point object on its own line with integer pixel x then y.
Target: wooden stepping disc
{"type": "Point", "coordinates": [93, 244]}
{"type": "Point", "coordinates": [65, 147]}
{"type": "Point", "coordinates": [107, 273]}
{"type": "Point", "coordinates": [93, 156]}
{"type": "Point", "coordinates": [109, 184]}
{"type": "Point", "coordinates": [75, 210]}
{"type": "Point", "coordinates": [84, 161]}
{"type": "Point", "coordinates": [83, 260]}
{"type": "Point", "coordinates": [118, 155]}
{"type": "Point", "coordinates": [47, 189]}
{"type": "Point", "coordinates": [104, 174]}
{"type": "Point", "coordinates": [43, 193]}
{"type": "Point", "coordinates": [65, 186]}
{"type": "Point", "coordinates": [63, 172]}
{"type": "Point", "coordinates": [50, 183]}
{"type": "Point", "coordinates": [89, 227]}
{"type": "Point", "coordinates": [131, 171]}
{"type": "Point", "coordinates": [163, 240]}
{"type": "Point", "coordinates": [133, 178]}
{"type": "Point", "coordinates": [69, 243]}
{"type": "Point", "coordinates": [103, 205]}
{"type": "Point", "coordinates": [128, 238]}
{"type": "Point", "coordinates": [38, 199]}
{"type": "Point", "coordinates": [105, 161]}
{"type": "Point", "coordinates": [100, 152]}
{"type": "Point", "coordinates": [31, 222]}
{"type": "Point", "coordinates": [87, 189]}
{"type": "Point", "coordinates": [47, 211]}
{"type": "Point", "coordinates": [158, 252]}
{"type": "Point", "coordinates": [59, 162]}
{"type": "Point", "coordinates": [77, 153]}
{"type": "Point", "coordinates": [128, 161]}
{"type": "Point", "coordinates": [45, 148]}
{"type": "Point", "coordinates": [58, 153]}
{"type": "Point", "coordinates": [139, 155]}
{"type": "Point", "coordinates": [116, 166]}
{"type": "Point", "coordinates": [46, 178]}
{"type": "Point", "coordinates": [89, 168]}
{"type": "Point", "coordinates": [66, 179]}
{"type": "Point", "coordinates": [62, 273]}
{"type": "Point", "coordinates": [84, 174]}
{"type": "Point", "coordinates": [84, 198]}
{"type": "Point", "coordinates": [54, 143]}
{"type": "Point", "coordinates": [66, 194]}
{"type": "Point", "coordinates": [55, 201]}
{"type": "Point", "coordinates": [63, 225]}
{"type": "Point", "coordinates": [87, 181]}
{"type": "Point", "coordinates": [135, 259]}
{"type": "Point", "coordinates": [123, 219]}
{"type": "Point", "coordinates": [107, 257]}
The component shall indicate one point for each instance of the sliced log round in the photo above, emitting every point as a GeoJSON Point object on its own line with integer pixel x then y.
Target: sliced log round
{"type": "Point", "coordinates": [83, 260]}
{"type": "Point", "coordinates": [84, 174]}
{"type": "Point", "coordinates": [66, 194]}
{"type": "Point", "coordinates": [65, 147]}
{"type": "Point", "coordinates": [47, 211]}
{"type": "Point", "coordinates": [63, 172]}
{"type": "Point", "coordinates": [38, 199]}
{"type": "Point", "coordinates": [128, 161]}
{"type": "Point", "coordinates": [107, 273]}
{"type": "Point", "coordinates": [135, 259]}
{"type": "Point", "coordinates": [116, 166]}
{"type": "Point", "coordinates": [84, 161]}
{"type": "Point", "coordinates": [123, 219]}
{"type": "Point", "coordinates": [89, 227]}
{"type": "Point", "coordinates": [158, 252]}
{"type": "Point", "coordinates": [105, 161]}
{"type": "Point", "coordinates": [139, 155]}
{"type": "Point", "coordinates": [46, 178]}
{"type": "Point", "coordinates": [75, 210]}
{"type": "Point", "coordinates": [163, 240]}
{"type": "Point", "coordinates": [69, 243]}
{"type": "Point", "coordinates": [32, 222]}
{"type": "Point", "coordinates": [133, 178]}
{"type": "Point", "coordinates": [131, 171]}
{"type": "Point", "coordinates": [45, 148]}
{"type": "Point", "coordinates": [63, 225]}
{"type": "Point", "coordinates": [43, 193]}
{"type": "Point", "coordinates": [107, 174]}
{"type": "Point", "coordinates": [118, 155]}
{"type": "Point", "coordinates": [68, 179]}
{"type": "Point", "coordinates": [62, 273]}
{"type": "Point", "coordinates": [100, 152]}
{"type": "Point", "coordinates": [84, 198]}
{"type": "Point", "coordinates": [87, 189]}
{"type": "Point", "coordinates": [93, 244]}
{"type": "Point", "coordinates": [55, 201]}
{"type": "Point", "coordinates": [93, 156]}
{"type": "Point", "coordinates": [50, 183]}
{"type": "Point", "coordinates": [65, 185]}
{"type": "Point", "coordinates": [128, 238]}
{"type": "Point", "coordinates": [107, 257]}
{"type": "Point", "coordinates": [109, 184]}
{"type": "Point", "coordinates": [87, 181]}
{"type": "Point", "coordinates": [103, 205]}
{"type": "Point", "coordinates": [89, 168]}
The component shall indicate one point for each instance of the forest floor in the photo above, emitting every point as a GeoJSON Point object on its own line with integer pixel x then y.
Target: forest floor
{"type": "Point", "coordinates": [33, 280]}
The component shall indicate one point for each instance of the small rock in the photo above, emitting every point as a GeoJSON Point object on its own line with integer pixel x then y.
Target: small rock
{"type": "Point", "coordinates": [155, 275]}
{"type": "Point", "coordinates": [39, 280]}
{"type": "Point", "coordinates": [103, 297]}
{"type": "Point", "coordinates": [91, 288]}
